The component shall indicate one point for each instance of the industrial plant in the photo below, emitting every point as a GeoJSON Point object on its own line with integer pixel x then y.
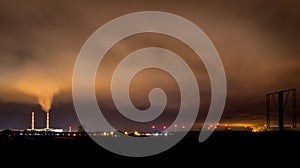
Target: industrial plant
{"type": "Point", "coordinates": [46, 129]}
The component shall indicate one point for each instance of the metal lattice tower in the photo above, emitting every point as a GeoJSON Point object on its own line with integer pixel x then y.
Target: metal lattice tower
{"type": "Point", "coordinates": [281, 103]}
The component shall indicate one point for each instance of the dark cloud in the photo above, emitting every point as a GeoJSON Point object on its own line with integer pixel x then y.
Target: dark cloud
{"type": "Point", "coordinates": [258, 42]}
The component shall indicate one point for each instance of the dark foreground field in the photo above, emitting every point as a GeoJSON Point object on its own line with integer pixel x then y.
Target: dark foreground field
{"type": "Point", "coordinates": [227, 148]}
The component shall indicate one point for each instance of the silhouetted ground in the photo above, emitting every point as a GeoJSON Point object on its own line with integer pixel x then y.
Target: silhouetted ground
{"type": "Point", "coordinates": [228, 148]}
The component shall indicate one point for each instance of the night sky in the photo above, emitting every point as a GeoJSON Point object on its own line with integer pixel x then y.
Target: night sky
{"type": "Point", "coordinates": [258, 42]}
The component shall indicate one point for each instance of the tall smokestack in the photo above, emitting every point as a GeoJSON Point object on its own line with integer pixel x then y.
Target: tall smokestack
{"type": "Point", "coordinates": [32, 120]}
{"type": "Point", "coordinates": [47, 120]}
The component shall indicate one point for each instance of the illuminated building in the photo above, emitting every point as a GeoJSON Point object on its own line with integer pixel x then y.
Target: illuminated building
{"type": "Point", "coordinates": [46, 129]}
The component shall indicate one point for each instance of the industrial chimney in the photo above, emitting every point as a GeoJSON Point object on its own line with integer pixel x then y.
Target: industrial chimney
{"type": "Point", "coordinates": [47, 120]}
{"type": "Point", "coordinates": [32, 120]}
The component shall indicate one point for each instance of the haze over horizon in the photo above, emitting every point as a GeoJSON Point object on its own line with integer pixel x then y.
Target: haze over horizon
{"type": "Point", "coordinates": [258, 42]}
